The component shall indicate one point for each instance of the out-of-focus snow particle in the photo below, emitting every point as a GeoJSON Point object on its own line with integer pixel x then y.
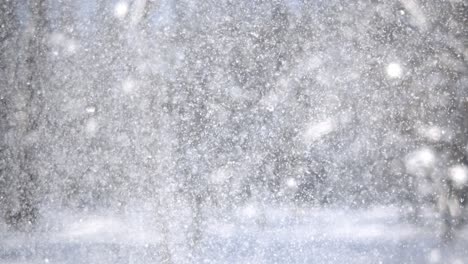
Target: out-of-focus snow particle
{"type": "Point", "coordinates": [420, 161]}
{"type": "Point", "coordinates": [220, 176]}
{"type": "Point", "coordinates": [459, 175]}
{"type": "Point", "coordinates": [432, 132]}
{"type": "Point", "coordinates": [249, 211]}
{"type": "Point", "coordinates": [121, 9]}
{"type": "Point", "coordinates": [90, 109]}
{"type": "Point", "coordinates": [91, 127]}
{"type": "Point", "coordinates": [426, 156]}
{"type": "Point", "coordinates": [291, 183]}
{"type": "Point", "coordinates": [434, 256]}
{"type": "Point", "coordinates": [317, 130]}
{"type": "Point", "coordinates": [394, 70]}
{"type": "Point", "coordinates": [71, 46]}
{"type": "Point", "coordinates": [46, 260]}
{"type": "Point", "coordinates": [416, 12]}
{"type": "Point", "coordinates": [57, 38]}
{"type": "Point", "coordinates": [128, 85]}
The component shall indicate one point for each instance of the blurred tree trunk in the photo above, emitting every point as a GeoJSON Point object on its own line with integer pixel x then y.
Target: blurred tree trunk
{"type": "Point", "coordinates": [24, 105]}
{"type": "Point", "coordinates": [8, 36]}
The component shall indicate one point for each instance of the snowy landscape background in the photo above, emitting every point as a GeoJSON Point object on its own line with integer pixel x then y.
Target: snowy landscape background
{"type": "Point", "coordinates": [282, 131]}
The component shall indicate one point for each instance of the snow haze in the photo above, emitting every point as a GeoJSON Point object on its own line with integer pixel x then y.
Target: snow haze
{"type": "Point", "coordinates": [220, 131]}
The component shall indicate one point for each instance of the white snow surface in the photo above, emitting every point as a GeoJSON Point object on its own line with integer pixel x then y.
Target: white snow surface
{"type": "Point", "coordinates": [249, 234]}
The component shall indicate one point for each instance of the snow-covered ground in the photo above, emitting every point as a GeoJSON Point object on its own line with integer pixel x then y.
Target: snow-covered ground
{"type": "Point", "coordinates": [247, 235]}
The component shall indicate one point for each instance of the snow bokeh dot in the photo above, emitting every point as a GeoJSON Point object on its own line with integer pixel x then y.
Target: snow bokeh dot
{"type": "Point", "coordinates": [394, 70]}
